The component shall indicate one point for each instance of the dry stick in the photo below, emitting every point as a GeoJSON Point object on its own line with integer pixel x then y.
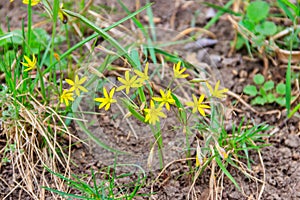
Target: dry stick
{"type": "Point", "coordinates": [77, 30]}
{"type": "Point", "coordinates": [124, 33]}
{"type": "Point", "coordinates": [173, 16]}
{"type": "Point", "coordinates": [221, 182]}
{"type": "Point", "coordinates": [245, 169]}
{"type": "Point", "coordinates": [264, 173]}
{"type": "Point", "coordinates": [212, 176]}
{"type": "Point", "coordinates": [242, 101]}
{"type": "Point", "coordinates": [162, 171]}
{"type": "Point", "coordinates": [189, 30]}
{"type": "Point", "coordinates": [185, 94]}
{"type": "Point", "coordinates": [251, 108]}
{"type": "Point", "coordinates": [195, 178]}
{"type": "Point", "coordinates": [86, 7]}
{"type": "Point", "coordinates": [296, 67]}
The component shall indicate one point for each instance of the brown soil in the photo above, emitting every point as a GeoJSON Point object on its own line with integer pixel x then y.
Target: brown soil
{"type": "Point", "coordinates": [281, 159]}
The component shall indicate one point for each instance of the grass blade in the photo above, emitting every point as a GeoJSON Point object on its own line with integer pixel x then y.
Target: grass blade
{"type": "Point", "coordinates": [218, 15]}
{"type": "Point", "coordinates": [223, 9]}
{"type": "Point", "coordinates": [76, 46]}
{"type": "Point", "coordinates": [226, 172]}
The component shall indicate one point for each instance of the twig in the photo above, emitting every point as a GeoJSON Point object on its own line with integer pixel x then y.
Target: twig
{"type": "Point", "coordinates": [242, 101]}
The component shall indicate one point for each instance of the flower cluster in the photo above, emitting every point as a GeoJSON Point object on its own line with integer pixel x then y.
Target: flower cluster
{"type": "Point", "coordinates": [130, 81]}
{"type": "Point", "coordinates": [76, 86]}
{"type": "Point", "coordinates": [154, 112]}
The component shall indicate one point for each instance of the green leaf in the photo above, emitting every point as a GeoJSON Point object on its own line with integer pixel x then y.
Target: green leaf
{"type": "Point", "coordinates": [259, 79]}
{"type": "Point", "coordinates": [263, 93]}
{"type": "Point", "coordinates": [257, 11]}
{"type": "Point", "coordinates": [281, 101]}
{"type": "Point", "coordinates": [271, 98]}
{"type": "Point", "coordinates": [239, 42]}
{"type": "Point", "coordinates": [259, 100]}
{"type": "Point", "coordinates": [280, 88]}
{"type": "Point", "coordinates": [266, 28]}
{"type": "Point", "coordinates": [17, 37]}
{"type": "Point", "coordinates": [269, 85]}
{"type": "Point", "coordinates": [250, 90]}
{"type": "Point", "coordinates": [248, 24]}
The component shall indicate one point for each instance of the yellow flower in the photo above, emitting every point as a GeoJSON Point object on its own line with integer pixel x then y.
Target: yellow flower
{"type": "Point", "coordinates": [179, 73]}
{"type": "Point", "coordinates": [165, 98]}
{"type": "Point", "coordinates": [143, 76]}
{"type": "Point", "coordinates": [107, 100]}
{"type": "Point", "coordinates": [62, 15]}
{"type": "Point", "coordinates": [11, 0]}
{"type": "Point", "coordinates": [31, 64]}
{"type": "Point", "coordinates": [128, 82]}
{"type": "Point", "coordinates": [33, 2]}
{"type": "Point", "coordinates": [66, 96]}
{"type": "Point", "coordinates": [197, 105]}
{"type": "Point", "coordinates": [77, 84]}
{"type": "Point", "coordinates": [153, 113]}
{"type": "Point", "coordinates": [217, 93]}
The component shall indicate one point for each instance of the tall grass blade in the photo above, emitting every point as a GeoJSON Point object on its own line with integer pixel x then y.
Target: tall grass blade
{"type": "Point", "coordinates": [79, 44]}
{"type": "Point", "coordinates": [226, 172]}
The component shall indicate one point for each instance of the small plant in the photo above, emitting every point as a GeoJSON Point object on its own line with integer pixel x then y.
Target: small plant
{"type": "Point", "coordinates": [265, 92]}
{"type": "Point", "coordinates": [255, 21]}
{"type": "Point", "coordinates": [44, 87]}
{"type": "Point", "coordinates": [104, 184]}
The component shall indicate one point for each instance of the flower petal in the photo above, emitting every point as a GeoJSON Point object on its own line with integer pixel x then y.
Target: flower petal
{"type": "Point", "coordinates": [82, 80]}
{"type": "Point", "coordinates": [69, 81]}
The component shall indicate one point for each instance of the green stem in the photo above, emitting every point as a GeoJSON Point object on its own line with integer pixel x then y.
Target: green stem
{"type": "Point", "coordinates": [55, 14]}
{"type": "Point", "coordinates": [158, 138]}
{"type": "Point", "coordinates": [29, 9]}
{"type": "Point", "coordinates": [188, 146]}
{"type": "Point", "coordinates": [42, 83]}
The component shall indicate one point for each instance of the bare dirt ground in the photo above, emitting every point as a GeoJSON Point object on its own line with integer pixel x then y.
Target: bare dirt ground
{"type": "Point", "coordinates": [281, 159]}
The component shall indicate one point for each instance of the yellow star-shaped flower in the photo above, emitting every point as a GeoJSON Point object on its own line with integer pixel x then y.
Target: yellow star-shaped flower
{"type": "Point", "coordinates": [128, 82]}
{"type": "Point", "coordinates": [66, 96]}
{"type": "Point", "coordinates": [197, 105]}
{"type": "Point", "coordinates": [153, 113]}
{"type": "Point", "coordinates": [107, 100]}
{"type": "Point", "coordinates": [142, 76]}
{"type": "Point", "coordinates": [215, 92]}
{"type": "Point", "coordinates": [179, 73]}
{"type": "Point", "coordinates": [31, 64]}
{"type": "Point", "coordinates": [166, 98]}
{"type": "Point", "coordinates": [76, 85]}
{"type": "Point", "coordinates": [33, 2]}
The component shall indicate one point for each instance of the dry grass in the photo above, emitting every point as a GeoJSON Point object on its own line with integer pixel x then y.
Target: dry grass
{"type": "Point", "coordinates": [36, 136]}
